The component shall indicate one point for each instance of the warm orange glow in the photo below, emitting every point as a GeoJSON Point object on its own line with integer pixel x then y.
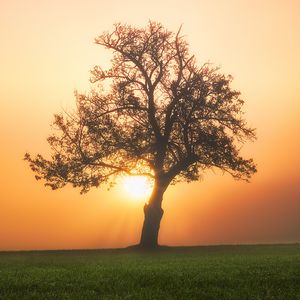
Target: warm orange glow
{"type": "Point", "coordinates": [46, 52]}
{"type": "Point", "coordinates": [138, 188]}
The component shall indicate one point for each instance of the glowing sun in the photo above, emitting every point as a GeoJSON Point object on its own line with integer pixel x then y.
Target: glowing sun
{"type": "Point", "coordinates": [137, 187]}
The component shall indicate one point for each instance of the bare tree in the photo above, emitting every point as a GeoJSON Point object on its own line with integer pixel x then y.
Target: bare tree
{"type": "Point", "coordinates": [153, 113]}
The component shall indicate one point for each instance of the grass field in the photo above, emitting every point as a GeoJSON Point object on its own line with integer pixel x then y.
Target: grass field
{"type": "Point", "coordinates": [217, 272]}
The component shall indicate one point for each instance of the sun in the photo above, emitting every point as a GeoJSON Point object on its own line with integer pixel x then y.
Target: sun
{"type": "Point", "coordinates": [137, 187]}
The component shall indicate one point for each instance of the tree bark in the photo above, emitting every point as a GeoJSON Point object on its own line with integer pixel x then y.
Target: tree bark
{"type": "Point", "coordinates": [152, 217]}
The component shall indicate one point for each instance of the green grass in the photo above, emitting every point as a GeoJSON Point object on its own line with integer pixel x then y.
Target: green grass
{"type": "Point", "coordinates": [220, 272]}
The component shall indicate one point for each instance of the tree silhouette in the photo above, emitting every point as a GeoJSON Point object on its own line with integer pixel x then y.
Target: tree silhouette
{"type": "Point", "coordinates": [153, 113]}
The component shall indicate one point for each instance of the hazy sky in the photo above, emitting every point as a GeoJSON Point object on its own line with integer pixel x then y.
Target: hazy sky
{"type": "Point", "coordinates": [47, 49]}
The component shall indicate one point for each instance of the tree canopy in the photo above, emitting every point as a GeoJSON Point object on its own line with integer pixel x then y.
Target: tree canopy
{"type": "Point", "coordinates": [155, 112]}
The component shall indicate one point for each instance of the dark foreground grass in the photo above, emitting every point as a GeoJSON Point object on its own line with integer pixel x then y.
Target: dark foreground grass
{"type": "Point", "coordinates": [220, 272]}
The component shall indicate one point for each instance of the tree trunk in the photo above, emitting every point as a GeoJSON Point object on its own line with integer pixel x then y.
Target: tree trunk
{"type": "Point", "coordinates": [153, 214]}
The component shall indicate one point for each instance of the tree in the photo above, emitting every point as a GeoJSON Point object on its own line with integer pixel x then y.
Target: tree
{"type": "Point", "coordinates": [153, 113]}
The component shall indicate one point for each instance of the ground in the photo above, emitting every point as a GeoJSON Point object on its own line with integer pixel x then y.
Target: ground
{"type": "Point", "coordinates": [215, 272]}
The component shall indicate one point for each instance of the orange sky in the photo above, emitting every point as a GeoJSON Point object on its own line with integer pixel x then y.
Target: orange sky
{"type": "Point", "coordinates": [46, 53]}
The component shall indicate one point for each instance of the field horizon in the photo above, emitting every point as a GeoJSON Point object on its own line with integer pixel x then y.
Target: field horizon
{"type": "Point", "coordinates": [159, 248]}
